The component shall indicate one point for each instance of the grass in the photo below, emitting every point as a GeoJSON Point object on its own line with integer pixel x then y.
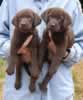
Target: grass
{"type": "Point", "coordinates": [78, 80]}
{"type": "Point", "coordinates": [2, 71]}
{"type": "Point", "coordinates": [76, 85]}
{"type": "Point", "coordinates": [77, 76]}
{"type": "Point", "coordinates": [2, 75]}
{"type": "Point", "coordinates": [2, 68]}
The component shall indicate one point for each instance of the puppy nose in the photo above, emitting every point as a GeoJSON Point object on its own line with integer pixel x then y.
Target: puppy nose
{"type": "Point", "coordinates": [23, 24]}
{"type": "Point", "coordinates": [52, 25]}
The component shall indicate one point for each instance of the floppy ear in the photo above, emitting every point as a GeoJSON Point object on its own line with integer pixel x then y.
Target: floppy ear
{"type": "Point", "coordinates": [70, 35]}
{"type": "Point", "coordinates": [36, 20]}
{"type": "Point", "coordinates": [67, 21]}
{"type": "Point", "coordinates": [44, 15]}
{"type": "Point", "coordinates": [14, 21]}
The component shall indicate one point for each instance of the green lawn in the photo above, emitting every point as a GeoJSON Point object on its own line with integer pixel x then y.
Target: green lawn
{"type": "Point", "coordinates": [2, 68]}
{"type": "Point", "coordinates": [2, 75]}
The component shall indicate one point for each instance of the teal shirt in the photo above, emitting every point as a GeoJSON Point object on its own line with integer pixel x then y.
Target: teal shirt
{"type": "Point", "coordinates": [61, 86]}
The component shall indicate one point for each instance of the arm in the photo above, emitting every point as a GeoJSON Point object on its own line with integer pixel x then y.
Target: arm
{"type": "Point", "coordinates": [4, 30]}
{"type": "Point", "coordinates": [76, 51]}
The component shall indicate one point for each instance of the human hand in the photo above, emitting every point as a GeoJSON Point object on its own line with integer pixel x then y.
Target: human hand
{"type": "Point", "coordinates": [25, 54]}
{"type": "Point", "coordinates": [66, 53]}
{"type": "Point", "coordinates": [24, 51]}
{"type": "Point", "coordinates": [52, 45]}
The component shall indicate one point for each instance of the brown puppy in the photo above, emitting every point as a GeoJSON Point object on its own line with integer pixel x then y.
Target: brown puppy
{"type": "Point", "coordinates": [25, 22]}
{"type": "Point", "coordinates": [26, 59]}
{"type": "Point", "coordinates": [59, 26]}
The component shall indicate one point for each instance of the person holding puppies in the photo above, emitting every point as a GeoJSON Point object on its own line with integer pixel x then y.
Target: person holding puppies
{"type": "Point", "coordinates": [60, 87]}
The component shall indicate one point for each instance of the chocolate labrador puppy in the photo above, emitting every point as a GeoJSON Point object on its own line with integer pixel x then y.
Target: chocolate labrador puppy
{"type": "Point", "coordinates": [59, 27]}
{"type": "Point", "coordinates": [25, 23]}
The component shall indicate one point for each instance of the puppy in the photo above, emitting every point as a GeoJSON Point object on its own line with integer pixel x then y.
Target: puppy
{"type": "Point", "coordinates": [59, 26]}
{"type": "Point", "coordinates": [26, 59]}
{"type": "Point", "coordinates": [25, 22]}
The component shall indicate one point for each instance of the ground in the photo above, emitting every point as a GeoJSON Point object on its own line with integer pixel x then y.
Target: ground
{"type": "Point", "coordinates": [1, 82]}
{"type": "Point", "coordinates": [78, 78]}
{"type": "Point", "coordinates": [77, 75]}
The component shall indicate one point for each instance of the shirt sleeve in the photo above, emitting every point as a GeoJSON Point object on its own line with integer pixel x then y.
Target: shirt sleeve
{"type": "Point", "coordinates": [76, 52]}
{"type": "Point", "coordinates": [4, 30]}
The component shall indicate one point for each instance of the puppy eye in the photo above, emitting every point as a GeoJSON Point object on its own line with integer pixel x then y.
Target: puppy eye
{"type": "Point", "coordinates": [19, 19]}
{"type": "Point", "coordinates": [29, 19]}
{"type": "Point", "coordinates": [59, 20]}
{"type": "Point", "coordinates": [62, 18]}
{"type": "Point", "coordinates": [49, 18]}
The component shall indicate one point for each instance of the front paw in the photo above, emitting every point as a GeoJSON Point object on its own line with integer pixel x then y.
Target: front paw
{"type": "Point", "coordinates": [32, 87]}
{"type": "Point", "coordinates": [42, 87]}
{"type": "Point", "coordinates": [9, 71]}
{"type": "Point", "coordinates": [17, 85]}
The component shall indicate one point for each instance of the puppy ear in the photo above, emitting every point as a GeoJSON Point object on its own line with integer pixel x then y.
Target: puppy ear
{"type": "Point", "coordinates": [44, 15]}
{"type": "Point", "coordinates": [70, 35]}
{"type": "Point", "coordinates": [14, 21]}
{"type": "Point", "coordinates": [67, 21]}
{"type": "Point", "coordinates": [36, 20]}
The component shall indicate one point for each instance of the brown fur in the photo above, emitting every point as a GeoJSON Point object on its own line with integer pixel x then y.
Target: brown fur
{"type": "Point", "coordinates": [59, 24]}
{"type": "Point", "coordinates": [25, 22]}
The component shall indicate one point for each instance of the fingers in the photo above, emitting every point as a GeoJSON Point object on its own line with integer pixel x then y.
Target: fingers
{"type": "Point", "coordinates": [23, 48]}
{"type": "Point", "coordinates": [20, 51]}
{"type": "Point", "coordinates": [23, 51]}
{"type": "Point", "coordinates": [50, 36]}
{"type": "Point", "coordinates": [27, 41]}
{"type": "Point", "coordinates": [51, 45]}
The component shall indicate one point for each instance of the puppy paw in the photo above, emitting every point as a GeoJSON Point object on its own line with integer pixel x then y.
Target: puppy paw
{"type": "Point", "coordinates": [32, 88]}
{"type": "Point", "coordinates": [9, 71]}
{"type": "Point", "coordinates": [42, 87]}
{"type": "Point", "coordinates": [17, 85]}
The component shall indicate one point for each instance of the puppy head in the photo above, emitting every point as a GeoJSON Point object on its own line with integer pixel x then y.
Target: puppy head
{"type": "Point", "coordinates": [56, 19]}
{"type": "Point", "coordinates": [26, 20]}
